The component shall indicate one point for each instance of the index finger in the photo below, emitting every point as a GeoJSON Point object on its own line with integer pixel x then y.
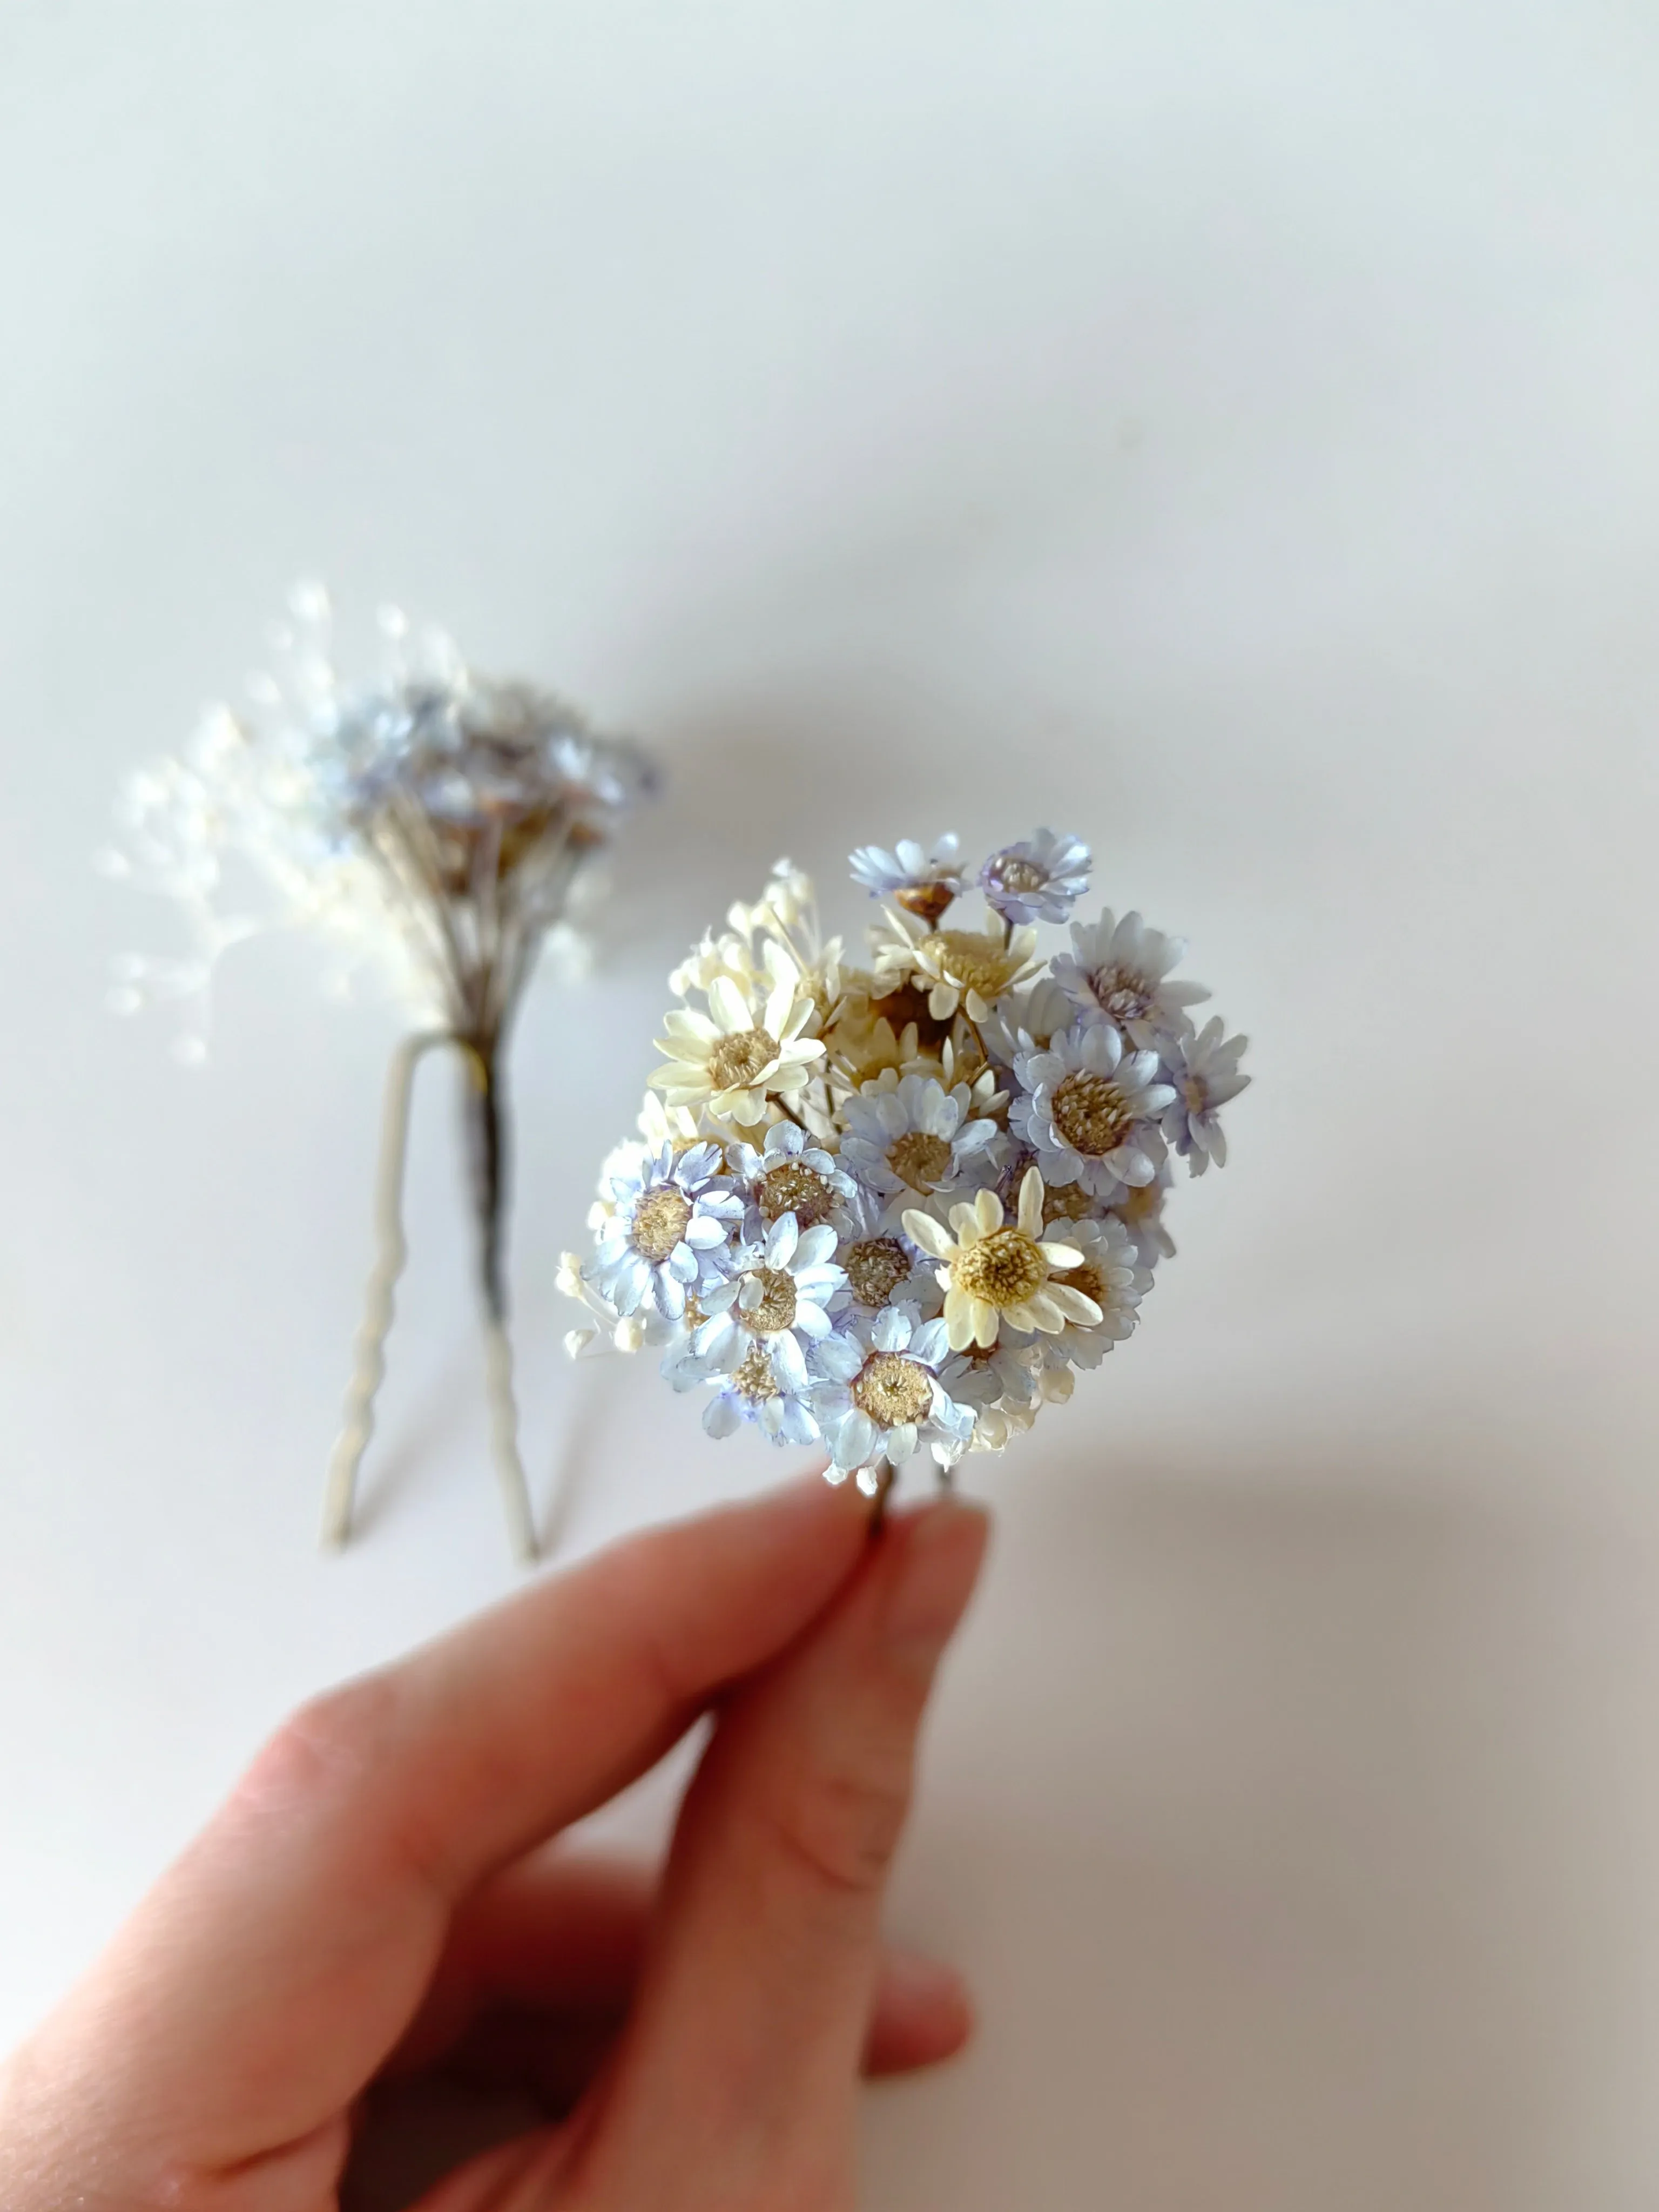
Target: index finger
{"type": "Point", "coordinates": [275, 1966]}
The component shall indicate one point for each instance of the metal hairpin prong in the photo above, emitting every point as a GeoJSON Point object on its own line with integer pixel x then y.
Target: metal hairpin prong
{"type": "Point", "coordinates": [391, 1250]}
{"type": "Point", "coordinates": [487, 1143]}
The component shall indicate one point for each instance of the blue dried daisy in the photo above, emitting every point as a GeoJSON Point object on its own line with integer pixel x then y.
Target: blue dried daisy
{"type": "Point", "coordinates": [1090, 1110]}
{"type": "Point", "coordinates": [789, 1174]}
{"type": "Point", "coordinates": [880, 1396]}
{"type": "Point", "coordinates": [670, 1227]}
{"type": "Point", "coordinates": [1040, 880]}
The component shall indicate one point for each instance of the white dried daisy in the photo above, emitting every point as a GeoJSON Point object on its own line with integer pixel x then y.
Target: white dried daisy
{"type": "Point", "coordinates": [744, 1052]}
{"type": "Point", "coordinates": [1089, 1110]}
{"type": "Point", "coordinates": [1122, 969]}
{"type": "Point", "coordinates": [1206, 1073]}
{"type": "Point", "coordinates": [908, 1137]}
{"type": "Point", "coordinates": [965, 970]}
{"type": "Point", "coordinates": [1040, 879]}
{"type": "Point", "coordinates": [879, 1397]}
{"type": "Point", "coordinates": [994, 1271]}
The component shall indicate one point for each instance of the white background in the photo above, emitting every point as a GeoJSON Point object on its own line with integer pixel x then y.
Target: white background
{"type": "Point", "coordinates": [1224, 430]}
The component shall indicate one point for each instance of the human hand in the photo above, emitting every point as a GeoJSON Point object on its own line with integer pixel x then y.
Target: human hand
{"type": "Point", "coordinates": [372, 1892]}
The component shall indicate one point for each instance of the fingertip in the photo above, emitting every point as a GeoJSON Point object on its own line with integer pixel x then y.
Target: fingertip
{"type": "Point", "coordinates": [934, 1557]}
{"type": "Point", "coordinates": [923, 2014]}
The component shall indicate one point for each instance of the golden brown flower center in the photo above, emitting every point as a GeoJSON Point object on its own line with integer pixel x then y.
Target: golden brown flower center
{"type": "Point", "coordinates": [1140, 1203]}
{"type": "Point", "coordinates": [659, 1220]}
{"type": "Point", "coordinates": [975, 962]}
{"type": "Point", "coordinates": [927, 901]}
{"type": "Point", "coordinates": [789, 1187]}
{"type": "Point", "coordinates": [1088, 1279]}
{"type": "Point", "coordinates": [1018, 875]}
{"type": "Point", "coordinates": [754, 1378]}
{"type": "Point", "coordinates": [906, 1003]}
{"type": "Point", "coordinates": [1003, 1268]}
{"type": "Point", "coordinates": [1090, 1112]}
{"type": "Point", "coordinates": [919, 1159]}
{"type": "Point", "coordinates": [1121, 993]}
{"type": "Point", "coordinates": [1066, 1202]}
{"type": "Point", "coordinates": [741, 1059]}
{"type": "Point", "coordinates": [776, 1307]}
{"type": "Point", "coordinates": [875, 1269]}
{"type": "Point", "coordinates": [892, 1390]}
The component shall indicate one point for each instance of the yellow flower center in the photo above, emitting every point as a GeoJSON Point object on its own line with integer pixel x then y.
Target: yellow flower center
{"type": "Point", "coordinates": [919, 1159]}
{"type": "Point", "coordinates": [660, 1222]}
{"type": "Point", "coordinates": [875, 1269]}
{"type": "Point", "coordinates": [1090, 1112]}
{"type": "Point", "coordinates": [775, 1308]}
{"type": "Point", "coordinates": [741, 1059]}
{"type": "Point", "coordinates": [1005, 1268]}
{"type": "Point", "coordinates": [892, 1390]}
{"type": "Point", "coordinates": [973, 961]}
{"type": "Point", "coordinates": [789, 1187]}
{"type": "Point", "coordinates": [1018, 875]}
{"type": "Point", "coordinates": [754, 1378]}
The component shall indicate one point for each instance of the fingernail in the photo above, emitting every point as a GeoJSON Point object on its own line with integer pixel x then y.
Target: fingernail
{"type": "Point", "coordinates": [934, 1577]}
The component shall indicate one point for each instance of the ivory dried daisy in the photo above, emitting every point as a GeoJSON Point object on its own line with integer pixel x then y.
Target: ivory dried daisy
{"type": "Point", "coordinates": [995, 1272]}
{"type": "Point", "coordinates": [743, 1052]}
{"type": "Point", "coordinates": [965, 970]}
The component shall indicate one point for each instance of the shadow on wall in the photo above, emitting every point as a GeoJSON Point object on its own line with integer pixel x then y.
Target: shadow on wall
{"type": "Point", "coordinates": [1292, 1822]}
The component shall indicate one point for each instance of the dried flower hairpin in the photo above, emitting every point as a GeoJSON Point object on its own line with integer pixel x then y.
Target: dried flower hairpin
{"type": "Point", "coordinates": [891, 1209]}
{"type": "Point", "coordinates": [434, 821]}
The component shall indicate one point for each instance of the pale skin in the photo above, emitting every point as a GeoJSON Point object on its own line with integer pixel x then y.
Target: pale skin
{"type": "Point", "coordinates": [377, 1897]}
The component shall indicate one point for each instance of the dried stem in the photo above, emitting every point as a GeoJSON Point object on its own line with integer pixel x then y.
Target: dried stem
{"type": "Point", "coordinates": [357, 1424]}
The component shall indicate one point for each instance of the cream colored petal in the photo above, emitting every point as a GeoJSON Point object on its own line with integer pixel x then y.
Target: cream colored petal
{"type": "Point", "coordinates": [1076, 1305]}
{"type": "Point", "coordinates": [730, 1010]}
{"type": "Point", "coordinates": [965, 1222]}
{"type": "Point", "coordinates": [1057, 1385]}
{"type": "Point", "coordinates": [783, 1008]}
{"type": "Point", "coordinates": [987, 1211]}
{"type": "Point", "coordinates": [958, 1320]}
{"type": "Point", "coordinates": [799, 1050]}
{"type": "Point", "coordinates": [1061, 1257]}
{"type": "Point", "coordinates": [1038, 1312]}
{"type": "Point", "coordinates": [689, 1026]}
{"type": "Point", "coordinates": [922, 1229]}
{"type": "Point", "coordinates": [986, 1319]}
{"type": "Point", "coordinates": [1031, 1195]}
{"type": "Point", "coordinates": [942, 1001]}
{"type": "Point", "coordinates": [977, 1009]}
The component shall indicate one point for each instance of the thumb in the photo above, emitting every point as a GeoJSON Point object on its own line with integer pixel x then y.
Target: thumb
{"type": "Point", "coordinates": [736, 2081]}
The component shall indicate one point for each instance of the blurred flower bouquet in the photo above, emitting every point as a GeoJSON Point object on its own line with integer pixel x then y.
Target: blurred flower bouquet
{"type": "Point", "coordinates": [891, 1209]}
{"type": "Point", "coordinates": [432, 821]}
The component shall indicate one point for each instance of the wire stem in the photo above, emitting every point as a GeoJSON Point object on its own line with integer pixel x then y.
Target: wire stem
{"type": "Point", "coordinates": [487, 1132]}
{"type": "Point", "coordinates": [358, 1422]}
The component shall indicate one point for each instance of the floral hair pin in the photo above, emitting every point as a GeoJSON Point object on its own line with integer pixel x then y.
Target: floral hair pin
{"type": "Point", "coordinates": [432, 821]}
{"type": "Point", "coordinates": [891, 1209]}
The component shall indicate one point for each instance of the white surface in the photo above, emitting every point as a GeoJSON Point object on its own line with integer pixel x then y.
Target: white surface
{"type": "Point", "coordinates": [1224, 430]}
